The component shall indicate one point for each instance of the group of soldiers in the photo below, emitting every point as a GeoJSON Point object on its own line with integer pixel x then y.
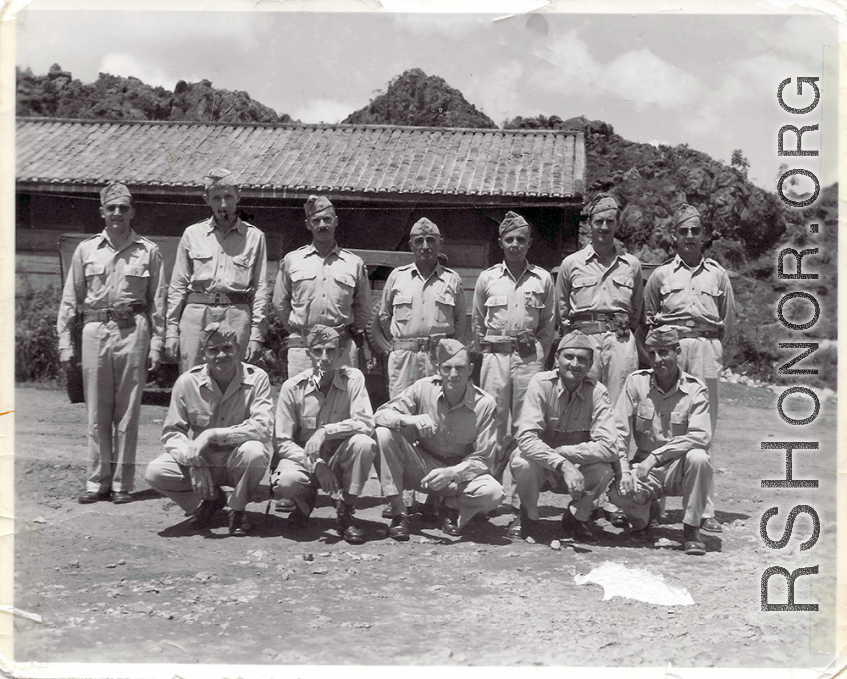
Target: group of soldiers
{"type": "Point", "coordinates": [442, 444]}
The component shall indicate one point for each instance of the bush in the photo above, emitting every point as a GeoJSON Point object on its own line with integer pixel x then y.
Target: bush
{"type": "Point", "coordinates": [36, 341]}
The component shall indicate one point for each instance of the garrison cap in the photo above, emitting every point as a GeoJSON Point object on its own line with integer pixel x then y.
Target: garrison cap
{"type": "Point", "coordinates": [321, 334]}
{"type": "Point", "coordinates": [112, 191]}
{"type": "Point", "coordinates": [220, 329]}
{"type": "Point", "coordinates": [315, 204]}
{"type": "Point", "coordinates": [218, 178]}
{"type": "Point", "coordinates": [510, 222]}
{"type": "Point", "coordinates": [447, 349]}
{"type": "Point", "coordinates": [684, 213]}
{"type": "Point", "coordinates": [424, 227]}
{"type": "Point", "coordinates": [663, 336]}
{"type": "Point", "coordinates": [600, 203]}
{"type": "Point", "coordinates": [575, 339]}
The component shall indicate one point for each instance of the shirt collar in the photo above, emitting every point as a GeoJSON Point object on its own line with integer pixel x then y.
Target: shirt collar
{"type": "Point", "coordinates": [437, 272]}
{"type": "Point", "coordinates": [312, 250]}
{"type": "Point", "coordinates": [679, 384]}
{"type": "Point", "coordinates": [104, 240]}
{"type": "Point", "coordinates": [337, 381]}
{"type": "Point", "coordinates": [579, 392]}
{"type": "Point", "coordinates": [678, 262]}
{"type": "Point", "coordinates": [240, 377]}
{"type": "Point", "coordinates": [591, 252]}
{"type": "Point", "coordinates": [528, 268]}
{"type": "Point", "coordinates": [239, 226]}
{"type": "Point", "coordinates": [467, 401]}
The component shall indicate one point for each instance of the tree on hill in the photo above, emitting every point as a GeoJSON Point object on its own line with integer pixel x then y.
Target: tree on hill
{"type": "Point", "coordinates": [59, 95]}
{"type": "Point", "coordinates": [419, 100]}
{"type": "Point", "coordinates": [651, 182]}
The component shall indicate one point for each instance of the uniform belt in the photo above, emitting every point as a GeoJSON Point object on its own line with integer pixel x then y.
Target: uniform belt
{"type": "Point", "coordinates": [299, 342]}
{"type": "Point", "coordinates": [218, 298]}
{"type": "Point", "coordinates": [505, 346]}
{"type": "Point", "coordinates": [591, 316]}
{"type": "Point", "coordinates": [691, 329]}
{"type": "Point", "coordinates": [412, 343]}
{"type": "Point", "coordinates": [105, 315]}
{"type": "Point", "coordinates": [594, 327]}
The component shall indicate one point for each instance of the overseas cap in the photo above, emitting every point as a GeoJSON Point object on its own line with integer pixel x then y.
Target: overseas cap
{"type": "Point", "coordinates": [511, 221]}
{"type": "Point", "coordinates": [218, 178]}
{"type": "Point", "coordinates": [684, 213]}
{"type": "Point", "coordinates": [112, 191]}
{"type": "Point", "coordinates": [220, 329]}
{"type": "Point", "coordinates": [424, 227]}
{"type": "Point", "coordinates": [315, 204]}
{"type": "Point", "coordinates": [447, 349]}
{"type": "Point", "coordinates": [600, 203]}
{"type": "Point", "coordinates": [321, 334]}
{"type": "Point", "coordinates": [575, 339]}
{"type": "Point", "coordinates": [663, 336]}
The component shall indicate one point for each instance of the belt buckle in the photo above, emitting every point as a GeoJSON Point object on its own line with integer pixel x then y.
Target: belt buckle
{"type": "Point", "coordinates": [689, 324]}
{"type": "Point", "coordinates": [217, 299]}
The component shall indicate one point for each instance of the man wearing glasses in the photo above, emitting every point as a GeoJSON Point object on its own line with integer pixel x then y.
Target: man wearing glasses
{"type": "Point", "coordinates": [693, 295]}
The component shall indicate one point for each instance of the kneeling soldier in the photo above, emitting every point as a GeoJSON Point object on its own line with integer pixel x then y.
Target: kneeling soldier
{"type": "Point", "coordinates": [217, 433]}
{"type": "Point", "coordinates": [566, 441]}
{"type": "Point", "coordinates": [438, 436]}
{"type": "Point", "coordinates": [323, 433]}
{"type": "Point", "coordinates": [667, 411]}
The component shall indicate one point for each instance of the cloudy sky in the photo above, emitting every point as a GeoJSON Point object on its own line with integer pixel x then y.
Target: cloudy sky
{"type": "Point", "coordinates": [706, 80]}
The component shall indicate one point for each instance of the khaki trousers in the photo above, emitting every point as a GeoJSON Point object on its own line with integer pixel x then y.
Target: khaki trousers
{"type": "Point", "coordinates": [402, 465]}
{"type": "Point", "coordinates": [241, 469]}
{"type": "Point", "coordinates": [614, 359]}
{"type": "Point", "coordinates": [195, 317]}
{"type": "Point", "coordinates": [114, 371]}
{"type": "Point", "coordinates": [532, 479]}
{"type": "Point", "coordinates": [689, 475]}
{"type": "Point", "coordinates": [407, 367]}
{"type": "Point", "coordinates": [351, 463]}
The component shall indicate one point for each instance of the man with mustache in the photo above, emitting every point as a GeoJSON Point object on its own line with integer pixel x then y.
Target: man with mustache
{"type": "Point", "coordinates": [566, 441]}
{"type": "Point", "coordinates": [693, 294]}
{"type": "Point", "coordinates": [219, 275]}
{"type": "Point", "coordinates": [438, 436]}
{"type": "Point", "coordinates": [666, 411]}
{"type": "Point", "coordinates": [116, 286]}
{"type": "Point", "coordinates": [217, 433]}
{"type": "Point", "coordinates": [322, 434]}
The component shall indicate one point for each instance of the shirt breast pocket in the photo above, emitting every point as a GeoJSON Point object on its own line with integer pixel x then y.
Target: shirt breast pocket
{"type": "Point", "coordinates": [345, 283]}
{"type": "Point", "coordinates": [137, 277]}
{"type": "Point", "coordinates": [203, 262]}
{"type": "Point", "coordinates": [622, 286]}
{"type": "Point", "coordinates": [497, 312]}
{"type": "Point", "coordinates": [674, 296]}
{"type": "Point", "coordinates": [583, 290]}
{"type": "Point", "coordinates": [710, 298]}
{"type": "Point", "coordinates": [644, 418]}
{"type": "Point", "coordinates": [302, 286]}
{"type": "Point", "coordinates": [679, 423]}
{"type": "Point", "coordinates": [199, 419]}
{"type": "Point", "coordinates": [242, 270]}
{"type": "Point", "coordinates": [95, 276]}
{"type": "Point", "coordinates": [401, 308]}
{"type": "Point", "coordinates": [445, 302]}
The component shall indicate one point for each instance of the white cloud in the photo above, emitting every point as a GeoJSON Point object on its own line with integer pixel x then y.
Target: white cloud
{"type": "Point", "coordinates": [125, 65]}
{"type": "Point", "coordinates": [323, 111]}
{"type": "Point", "coordinates": [440, 25]}
{"type": "Point", "coordinates": [498, 94]}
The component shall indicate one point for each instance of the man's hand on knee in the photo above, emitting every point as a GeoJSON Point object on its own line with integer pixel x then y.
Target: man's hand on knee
{"type": "Point", "coordinates": [202, 483]}
{"type": "Point", "coordinates": [326, 477]}
{"type": "Point", "coordinates": [574, 479]}
{"type": "Point", "coordinates": [438, 479]}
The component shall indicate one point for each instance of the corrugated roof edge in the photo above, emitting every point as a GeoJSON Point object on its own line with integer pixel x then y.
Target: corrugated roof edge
{"type": "Point", "coordinates": [317, 126]}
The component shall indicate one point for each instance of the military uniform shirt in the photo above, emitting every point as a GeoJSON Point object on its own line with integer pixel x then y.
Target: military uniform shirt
{"type": "Point", "coordinates": [551, 417]}
{"type": "Point", "coordinates": [464, 431]}
{"type": "Point", "coordinates": [665, 424]}
{"type": "Point", "coordinates": [414, 307]}
{"type": "Point", "coordinates": [676, 293]}
{"type": "Point", "coordinates": [244, 411]}
{"type": "Point", "coordinates": [104, 278]}
{"type": "Point", "coordinates": [585, 284]}
{"type": "Point", "coordinates": [302, 409]}
{"type": "Point", "coordinates": [331, 290]}
{"type": "Point", "coordinates": [503, 306]}
{"type": "Point", "coordinates": [209, 260]}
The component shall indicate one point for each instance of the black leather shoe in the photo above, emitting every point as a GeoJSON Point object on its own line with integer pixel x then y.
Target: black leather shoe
{"type": "Point", "coordinates": [429, 512]}
{"type": "Point", "coordinates": [91, 496]}
{"type": "Point", "coordinates": [238, 525]}
{"type": "Point", "coordinates": [694, 544]}
{"type": "Point", "coordinates": [297, 519]}
{"type": "Point", "coordinates": [450, 522]}
{"type": "Point", "coordinates": [386, 512]}
{"type": "Point", "coordinates": [284, 505]}
{"type": "Point", "coordinates": [399, 529]}
{"type": "Point", "coordinates": [348, 526]}
{"type": "Point", "coordinates": [580, 531]}
{"type": "Point", "coordinates": [121, 497]}
{"type": "Point", "coordinates": [204, 514]}
{"type": "Point", "coordinates": [711, 525]}
{"type": "Point", "coordinates": [521, 527]}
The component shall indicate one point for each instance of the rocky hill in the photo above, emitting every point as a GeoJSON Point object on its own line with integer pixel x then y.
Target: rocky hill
{"type": "Point", "coordinates": [58, 94]}
{"type": "Point", "coordinates": [420, 100]}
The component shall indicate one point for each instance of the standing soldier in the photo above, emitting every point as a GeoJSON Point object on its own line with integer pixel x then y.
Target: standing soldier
{"type": "Point", "coordinates": [421, 304]}
{"type": "Point", "coordinates": [117, 284]}
{"type": "Point", "coordinates": [321, 284]}
{"type": "Point", "coordinates": [692, 294]}
{"type": "Point", "coordinates": [513, 310]}
{"type": "Point", "coordinates": [219, 275]}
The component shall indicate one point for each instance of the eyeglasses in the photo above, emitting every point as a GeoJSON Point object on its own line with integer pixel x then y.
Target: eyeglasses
{"type": "Point", "coordinates": [123, 209]}
{"type": "Point", "coordinates": [694, 231]}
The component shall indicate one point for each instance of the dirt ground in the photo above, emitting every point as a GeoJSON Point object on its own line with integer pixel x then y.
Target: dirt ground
{"type": "Point", "coordinates": [132, 583]}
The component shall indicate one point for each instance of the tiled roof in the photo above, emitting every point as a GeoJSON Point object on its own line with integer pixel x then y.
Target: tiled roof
{"type": "Point", "coordinates": [366, 161]}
